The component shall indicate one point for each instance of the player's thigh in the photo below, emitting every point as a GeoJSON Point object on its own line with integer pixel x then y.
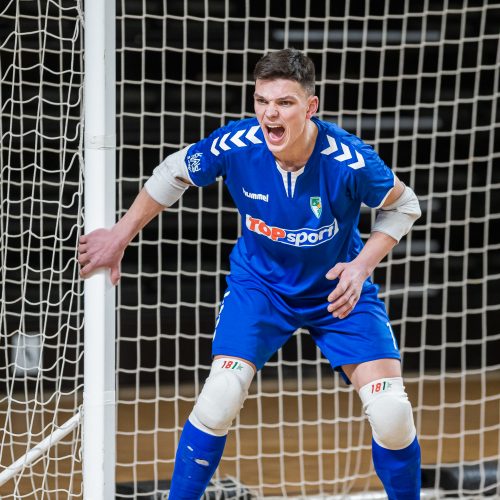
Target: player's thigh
{"type": "Point", "coordinates": [252, 324]}
{"type": "Point", "coordinates": [365, 335]}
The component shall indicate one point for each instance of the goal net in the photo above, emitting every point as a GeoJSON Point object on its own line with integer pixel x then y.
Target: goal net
{"type": "Point", "coordinates": [40, 217]}
{"type": "Point", "coordinates": [417, 80]}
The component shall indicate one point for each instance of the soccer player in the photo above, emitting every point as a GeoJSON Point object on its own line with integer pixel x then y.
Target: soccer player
{"type": "Point", "coordinates": [298, 183]}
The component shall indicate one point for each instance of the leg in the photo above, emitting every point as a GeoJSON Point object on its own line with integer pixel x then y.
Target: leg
{"type": "Point", "coordinates": [363, 345]}
{"type": "Point", "coordinates": [250, 328]}
{"type": "Point", "coordinates": [203, 438]}
{"type": "Point", "coordinates": [395, 448]}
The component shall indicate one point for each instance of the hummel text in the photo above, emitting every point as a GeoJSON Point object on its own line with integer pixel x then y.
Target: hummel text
{"type": "Point", "coordinates": [256, 196]}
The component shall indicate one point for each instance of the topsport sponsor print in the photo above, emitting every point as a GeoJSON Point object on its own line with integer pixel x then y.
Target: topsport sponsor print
{"type": "Point", "coordinates": [303, 237]}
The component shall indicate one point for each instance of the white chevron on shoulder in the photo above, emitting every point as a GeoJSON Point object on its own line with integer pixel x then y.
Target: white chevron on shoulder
{"type": "Point", "coordinates": [222, 143]}
{"type": "Point", "coordinates": [213, 149]}
{"type": "Point", "coordinates": [236, 139]}
{"type": "Point", "coordinates": [251, 134]}
{"type": "Point", "coordinates": [332, 146]}
{"type": "Point", "coordinates": [359, 164]}
{"type": "Point", "coordinates": [346, 153]}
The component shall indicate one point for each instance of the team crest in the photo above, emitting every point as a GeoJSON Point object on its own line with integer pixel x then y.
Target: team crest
{"type": "Point", "coordinates": [316, 206]}
{"type": "Point", "coordinates": [193, 162]}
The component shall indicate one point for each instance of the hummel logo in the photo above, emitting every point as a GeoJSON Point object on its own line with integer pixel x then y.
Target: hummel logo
{"type": "Point", "coordinates": [256, 196]}
{"type": "Point", "coordinates": [345, 155]}
{"type": "Point", "coordinates": [236, 140]}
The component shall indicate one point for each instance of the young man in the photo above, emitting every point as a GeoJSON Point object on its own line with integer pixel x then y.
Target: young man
{"type": "Point", "coordinates": [298, 183]}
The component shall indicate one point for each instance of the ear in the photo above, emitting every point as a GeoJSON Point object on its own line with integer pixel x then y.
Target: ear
{"type": "Point", "coordinates": [312, 106]}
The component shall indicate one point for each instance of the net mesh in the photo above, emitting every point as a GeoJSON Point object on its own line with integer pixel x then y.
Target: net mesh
{"type": "Point", "coordinates": [420, 83]}
{"type": "Point", "coordinates": [41, 186]}
{"type": "Point", "coordinates": [417, 80]}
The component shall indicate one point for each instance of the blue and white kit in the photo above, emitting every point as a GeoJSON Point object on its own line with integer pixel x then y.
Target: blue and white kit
{"type": "Point", "coordinates": [296, 226]}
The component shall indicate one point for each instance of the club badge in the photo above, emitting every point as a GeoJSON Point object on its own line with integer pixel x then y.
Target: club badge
{"type": "Point", "coordinates": [316, 206]}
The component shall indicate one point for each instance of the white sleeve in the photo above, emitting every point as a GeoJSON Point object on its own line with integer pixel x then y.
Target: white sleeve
{"type": "Point", "coordinates": [166, 185]}
{"type": "Point", "coordinates": [397, 218]}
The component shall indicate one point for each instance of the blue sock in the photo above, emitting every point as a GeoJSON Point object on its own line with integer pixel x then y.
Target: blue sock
{"type": "Point", "coordinates": [198, 455]}
{"type": "Point", "coordinates": [399, 470]}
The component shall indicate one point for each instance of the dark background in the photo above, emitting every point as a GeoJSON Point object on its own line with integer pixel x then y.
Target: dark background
{"type": "Point", "coordinates": [418, 83]}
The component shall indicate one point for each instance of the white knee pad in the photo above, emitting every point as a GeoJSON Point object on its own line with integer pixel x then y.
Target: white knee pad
{"type": "Point", "coordinates": [222, 396]}
{"type": "Point", "coordinates": [386, 404]}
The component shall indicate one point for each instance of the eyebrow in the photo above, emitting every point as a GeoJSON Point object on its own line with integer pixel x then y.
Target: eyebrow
{"type": "Point", "coordinates": [281, 98]}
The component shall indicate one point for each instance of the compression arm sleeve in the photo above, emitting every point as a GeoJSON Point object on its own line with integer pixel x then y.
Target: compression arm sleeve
{"type": "Point", "coordinates": [397, 218]}
{"type": "Point", "coordinates": [170, 179]}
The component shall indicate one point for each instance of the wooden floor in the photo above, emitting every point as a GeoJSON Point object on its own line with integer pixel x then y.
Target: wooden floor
{"type": "Point", "coordinates": [322, 446]}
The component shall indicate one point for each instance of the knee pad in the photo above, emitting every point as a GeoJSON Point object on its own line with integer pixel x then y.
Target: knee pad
{"type": "Point", "coordinates": [386, 405]}
{"type": "Point", "coordinates": [222, 396]}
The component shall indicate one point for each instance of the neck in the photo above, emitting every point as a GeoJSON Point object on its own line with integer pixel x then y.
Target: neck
{"type": "Point", "coordinates": [295, 159]}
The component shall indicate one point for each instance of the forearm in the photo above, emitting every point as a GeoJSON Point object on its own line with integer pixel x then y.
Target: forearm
{"type": "Point", "coordinates": [376, 248]}
{"type": "Point", "coordinates": [352, 275]}
{"type": "Point", "coordinates": [143, 210]}
{"type": "Point", "coordinates": [394, 219]}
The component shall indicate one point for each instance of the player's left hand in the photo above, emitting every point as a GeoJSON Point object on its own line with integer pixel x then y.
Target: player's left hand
{"type": "Point", "coordinates": [348, 290]}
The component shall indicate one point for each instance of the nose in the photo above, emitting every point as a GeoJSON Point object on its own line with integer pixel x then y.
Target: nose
{"type": "Point", "coordinates": [271, 110]}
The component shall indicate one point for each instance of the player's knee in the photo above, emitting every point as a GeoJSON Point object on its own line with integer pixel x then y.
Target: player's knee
{"type": "Point", "coordinates": [390, 414]}
{"type": "Point", "coordinates": [220, 401]}
{"type": "Point", "coordinates": [222, 396]}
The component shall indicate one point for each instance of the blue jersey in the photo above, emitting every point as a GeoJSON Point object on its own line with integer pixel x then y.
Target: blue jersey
{"type": "Point", "coordinates": [296, 225]}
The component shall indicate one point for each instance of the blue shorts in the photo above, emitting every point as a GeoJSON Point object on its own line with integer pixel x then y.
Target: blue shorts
{"type": "Point", "coordinates": [254, 322]}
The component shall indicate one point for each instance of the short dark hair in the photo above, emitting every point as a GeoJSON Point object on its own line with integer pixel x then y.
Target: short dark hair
{"type": "Point", "coordinates": [289, 64]}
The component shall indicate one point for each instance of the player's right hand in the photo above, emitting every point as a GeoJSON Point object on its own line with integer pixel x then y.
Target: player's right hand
{"type": "Point", "coordinates": [98, 249]}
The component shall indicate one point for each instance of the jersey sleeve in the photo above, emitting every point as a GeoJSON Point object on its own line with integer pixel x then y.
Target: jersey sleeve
{"type": "Point", "coordinates": [371, 180]}
{"type": "Point", "coordinates": [204, 160]}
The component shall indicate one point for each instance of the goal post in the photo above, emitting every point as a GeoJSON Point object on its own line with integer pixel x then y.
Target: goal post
{"type": "Point", "coordinates": [58, 366]}
{"type": "Point", "coordinates": [99, 394]}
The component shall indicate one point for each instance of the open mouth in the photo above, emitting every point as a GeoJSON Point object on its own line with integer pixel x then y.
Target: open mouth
{"type": "Point", "coordinates": [275, 132]}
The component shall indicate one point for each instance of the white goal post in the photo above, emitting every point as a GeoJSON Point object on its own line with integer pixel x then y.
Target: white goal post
{"type": "Point", "coordinates": [99, 395]}
{"type": "Point", "coordinates": [46, 44]}
{"type": "Point", "coordinates": [417, 80]}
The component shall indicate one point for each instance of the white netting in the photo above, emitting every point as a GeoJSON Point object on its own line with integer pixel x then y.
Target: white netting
{"type": "Point", "coordinates": [41, 186]}
{"type": "Point", "coordinates": [418, 80]}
